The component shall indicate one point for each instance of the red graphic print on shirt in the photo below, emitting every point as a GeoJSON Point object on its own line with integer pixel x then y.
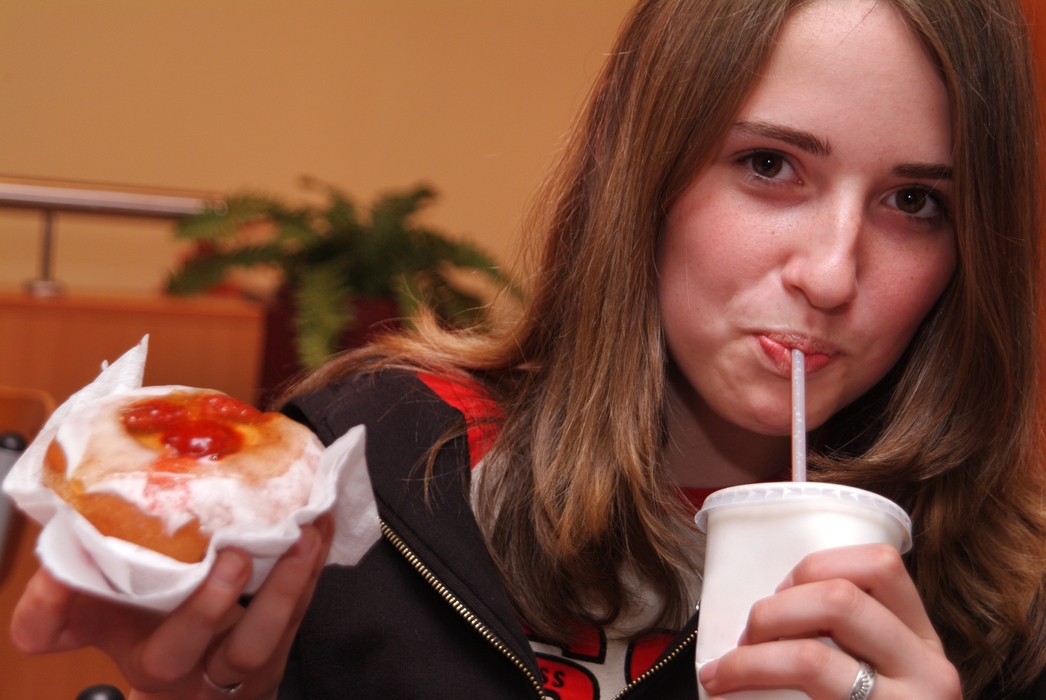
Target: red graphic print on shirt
{"type": "Point", "coordinates": [565, 680]}
{"type": "Point", "coordinates": [643, 653]}
{"type": "Point", "coordinates": [590, 644]}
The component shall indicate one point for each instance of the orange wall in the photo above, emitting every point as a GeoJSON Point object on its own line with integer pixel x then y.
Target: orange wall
{"type": "Point", "coordinates": [471, 95]}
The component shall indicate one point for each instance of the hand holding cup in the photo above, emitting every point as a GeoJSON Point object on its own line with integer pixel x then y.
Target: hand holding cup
{"type": "Point", "coordinates": [864, 600]}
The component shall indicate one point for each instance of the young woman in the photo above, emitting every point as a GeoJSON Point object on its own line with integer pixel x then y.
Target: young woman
{"type": "Point", "coordinates": [856, 179]}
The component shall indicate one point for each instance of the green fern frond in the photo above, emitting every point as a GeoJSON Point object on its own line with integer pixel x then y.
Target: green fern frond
{"type": "Point", "coordinates": [392, 210]}
{"type": "Point", "coordinates": [328, 253]}
{"type": "Point", "coordinates": [322, 299]}
{"type": "Point", "coordinates": [202, 272]}
{"type": "Point", "coordinates": [240, 210]}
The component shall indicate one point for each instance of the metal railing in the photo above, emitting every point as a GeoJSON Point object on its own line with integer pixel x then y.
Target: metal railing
{"type": "Point", "coordinates": [50, 198]}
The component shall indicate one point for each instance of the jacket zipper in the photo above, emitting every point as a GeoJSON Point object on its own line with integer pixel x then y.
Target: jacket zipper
{"type": "Point", "coordinates": [459, 607]}
{"type": "Point", "coordinates": [658, 666]}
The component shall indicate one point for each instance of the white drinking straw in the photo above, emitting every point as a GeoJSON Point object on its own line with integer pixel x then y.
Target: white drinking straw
{"type": "Point", "coordinates": [798, 416]}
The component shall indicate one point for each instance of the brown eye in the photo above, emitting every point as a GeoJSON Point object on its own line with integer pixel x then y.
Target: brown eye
{"type": "Point", "coordinates": [917, 202]}
{"type": "Point", "coordinates": [767, 165]}
{"type": "Point", "coordinates": [912, 201]}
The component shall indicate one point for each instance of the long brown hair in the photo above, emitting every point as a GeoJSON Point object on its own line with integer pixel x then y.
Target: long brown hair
{"type": "Point", "coordinates": [574, 496]}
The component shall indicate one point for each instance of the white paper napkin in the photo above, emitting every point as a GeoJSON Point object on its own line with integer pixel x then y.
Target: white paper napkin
{"type": "Point", "coordinates": [81, 557]}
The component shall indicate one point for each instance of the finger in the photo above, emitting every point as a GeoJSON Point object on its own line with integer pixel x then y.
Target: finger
{"type": "Point", "coordinates": [41, 617]}
{"type": "Point", "coordinates": [51, 617]}
{"type": "Point", "coordinates": [242, 647]}
{"type": "Point", "coordinates": [275, 612]}
{"type": "Point", "coordinates": [822, 672]}
{"type": "Point", "coordinates": [326, 527]}
{"type": "Point", "coordinates": [178, 643]}
{"type": "Point", "coordinates": [853, 619]}
{"type": "Point", "coordinates": [876, 569]}
{"type": "Point", "coordinates": [277, 659]}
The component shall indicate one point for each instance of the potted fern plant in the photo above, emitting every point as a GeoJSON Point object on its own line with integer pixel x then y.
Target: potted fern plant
{"type": "Point", "coordinates": [332, 258]}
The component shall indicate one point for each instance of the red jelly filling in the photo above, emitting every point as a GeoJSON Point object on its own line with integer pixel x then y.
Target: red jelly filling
{"type": "Point", "coordinates": [201, 438]}
{"type": "Point", "coordinates": [197, 426]}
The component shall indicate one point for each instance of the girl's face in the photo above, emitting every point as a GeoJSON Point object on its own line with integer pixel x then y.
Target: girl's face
{"type": "Point", "coordinates": [823, 223]}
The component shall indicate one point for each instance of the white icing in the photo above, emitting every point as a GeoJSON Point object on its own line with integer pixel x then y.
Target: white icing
{"type": "Point", "coordinates": [217, 501]}
{"type": "Point", "coordinates": [98, 417]}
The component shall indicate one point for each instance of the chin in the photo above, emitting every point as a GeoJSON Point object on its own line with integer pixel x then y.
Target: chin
{"type": "Point", "coordinates": [773, 420]}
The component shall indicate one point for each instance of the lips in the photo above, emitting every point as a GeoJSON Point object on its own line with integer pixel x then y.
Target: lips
{"type": "Point", "coordinates": [778, 349]}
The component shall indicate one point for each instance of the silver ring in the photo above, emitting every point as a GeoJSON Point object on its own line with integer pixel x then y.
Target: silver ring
{"type": "Point", "coordinates": [224, 689]}
{"type": "Point", "coordinates": [863, 684]}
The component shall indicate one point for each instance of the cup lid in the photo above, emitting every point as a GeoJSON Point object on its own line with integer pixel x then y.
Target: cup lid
{"type": "Point", "coordinates": [806, 491]}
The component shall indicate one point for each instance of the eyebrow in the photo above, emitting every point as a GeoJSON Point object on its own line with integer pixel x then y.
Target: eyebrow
{"type": "Point", "coordinates": [803, 140]}
{"type": "Point", "coordinates": [925, 171]}
{"type": "Point", "coordinates": [806, 141]}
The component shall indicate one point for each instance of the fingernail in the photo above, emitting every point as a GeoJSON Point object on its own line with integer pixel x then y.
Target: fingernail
{"type": "Point", "coordinates": [229, 568]}
{"type": "Point", "coordinates": [743, 639]}
{"type": "Point", "coordinates": [787, 583]}
{"type": "Point", "coordinates": [306, 544]}
{"type": "Point", "coordinates": [708, 670]}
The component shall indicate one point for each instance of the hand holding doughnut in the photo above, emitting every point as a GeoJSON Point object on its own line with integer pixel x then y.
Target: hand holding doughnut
{"type": "Point", "coordinates": [242, 650]}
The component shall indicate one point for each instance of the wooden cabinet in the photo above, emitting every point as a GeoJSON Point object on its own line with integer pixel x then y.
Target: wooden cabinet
{"type": "Point", "coordinates": [58, 345]}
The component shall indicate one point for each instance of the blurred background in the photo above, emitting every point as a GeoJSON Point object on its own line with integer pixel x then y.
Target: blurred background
{"type": "Point", "coordinates": [222, 96]}
{"type": "Point", "coordinates": [471, 96]}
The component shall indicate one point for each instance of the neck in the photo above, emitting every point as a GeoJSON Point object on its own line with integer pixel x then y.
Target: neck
{"type": "Point", "coordinates": [706, 451]}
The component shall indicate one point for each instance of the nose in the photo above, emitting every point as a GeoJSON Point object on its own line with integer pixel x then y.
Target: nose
{"type": "Point", "coordinates": [822, 262]}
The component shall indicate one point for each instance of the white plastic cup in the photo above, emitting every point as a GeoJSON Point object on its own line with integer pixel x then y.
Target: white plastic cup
{"type": "Point", "coordinates": [757, 533]}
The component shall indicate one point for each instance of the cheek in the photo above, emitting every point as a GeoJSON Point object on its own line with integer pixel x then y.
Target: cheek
{"type": "Point", "coordinates": [906, 290]}
{"type": "Point", "coordinates": [910, 286]}
{"type": "Point", "coordinates": [692, 282]}
{"type": "Point", "coordinates": [709, 252]}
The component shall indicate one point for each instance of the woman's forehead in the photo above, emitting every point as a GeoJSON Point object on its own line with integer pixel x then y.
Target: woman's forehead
{"type": "Point", "coordinates": [822, 26]}
{"type": "Point", "coordinates": [841, 68]}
